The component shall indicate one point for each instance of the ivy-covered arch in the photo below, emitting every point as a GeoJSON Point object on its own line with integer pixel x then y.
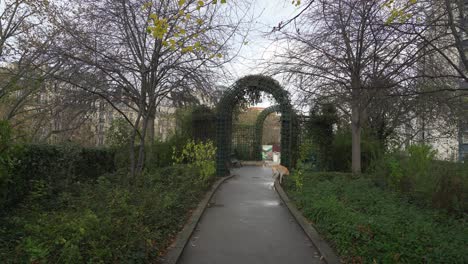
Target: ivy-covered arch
{"type": "Point", "coordinates": [259, 128]}
{"type": "Point", "coordinates": [251, 84]}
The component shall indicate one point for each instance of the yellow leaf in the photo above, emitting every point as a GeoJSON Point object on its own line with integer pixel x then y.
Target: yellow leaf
{"type": "Point", "coordinates": [181, 2]}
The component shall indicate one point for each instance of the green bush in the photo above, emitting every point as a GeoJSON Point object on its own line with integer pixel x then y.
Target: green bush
{"type": "Point", "coordinates": [119, 133]}
{"type": "Point", "coordinates": [57, 166]}
{"type": "Point", "coordinates": [320, 130]}
{"type": "Point", "coordinates": [440, 184]}
{"type": "Point", "coordinates": [367, 224]}
{"type": "Point", "coordinates": [341, 151]}
{"type": "Point", "coordinates": [160, 153]}
{"type": "Point", "coordinates": [243, 152]}
{"type": "Point", "coordinates": [342, 147]}
{"type": "Point", "coordinates": [103, 222]}
{"type": "Point", "coordinates": [6, 161]}
{"type": "Point", "coordinates": [200, 156]}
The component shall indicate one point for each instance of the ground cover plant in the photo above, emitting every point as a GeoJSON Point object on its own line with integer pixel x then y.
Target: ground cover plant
{"type": "Point", "coordinates": [105, 220]}
{"type": "Point", "coordinates": [102, 222]}
{"type": "Point", "coordinates": [426, 181]}
{"type": "Point", "coordinates": [368, 224]}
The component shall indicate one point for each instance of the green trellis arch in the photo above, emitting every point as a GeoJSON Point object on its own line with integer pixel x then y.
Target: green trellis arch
{"type": "Point", "coordinates": [259, 128]}
{"type": "Point", "coordinates": [232, 97]}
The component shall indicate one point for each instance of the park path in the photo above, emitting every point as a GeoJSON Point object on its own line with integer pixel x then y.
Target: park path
{"type": "Point", "coordinates": [246, 222]}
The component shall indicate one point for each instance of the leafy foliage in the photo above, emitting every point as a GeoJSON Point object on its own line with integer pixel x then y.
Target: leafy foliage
{"type": "Point", "coordinates": [342, 146]}
{"type": "Point", "coordinates": [172, 30]}
{"type": "Point", "coordinates": [203, 123]}
{"type": "Point", "coordinates": [429, 182]}
{"type": "Point", "coordinates": [369, 225]}
{"type": "Point", "coordinates": [6, 161]}
{"type": "Point", "coordinates": [160, 152]}
{"type": "Point", "coordinates": [399, 11]}
{"type": "Point", "coordinates": [55, 166]}
{"type": "Point", "coordinates": [102, 222]}
{"type": "Point", "coordinates": [200, 156]}
{"type": "Point", "coordinates": [119, 133]}
{"type": "Point", "coordinates": [320, 131]}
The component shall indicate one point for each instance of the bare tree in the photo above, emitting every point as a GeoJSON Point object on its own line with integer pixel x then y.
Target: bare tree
{"type": "Point", "coordinates": [347, 50]}
{"type": "Point", "coordinates": [457, 15]}
{"type": "Point", "coordinates": [22, 41]}
{"type": "Point", "coordinates": [141, 51]}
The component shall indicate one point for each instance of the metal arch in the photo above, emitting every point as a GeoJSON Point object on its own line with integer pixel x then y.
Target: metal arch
{"type": "Point", "coordinates": [259, 128]}
{"type": "Point", "coordinates": [224, 117]}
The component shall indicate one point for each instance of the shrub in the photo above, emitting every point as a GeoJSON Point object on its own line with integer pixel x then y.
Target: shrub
{"type": "Point", "coordinates": [160, 153]}
{"type": "Point", "coordinates": [320, 130]}
{"type": "Point", "coordinates": [200, 156]}
{"type": "Point", "coordinates": [119, 133]}
{"type": "Point", "coordinates": [57, 166]}
{"type": "Point", "coordinates": [105, 221]}
{"type": "Point", "coordinates": [341, 151]}
{"type": "Point", "coordinates": [367, 224]}
{"type": "Point", "coordinates": [243, 152]}
{"type": "Point", "coordinates": [6, 161]}
{"type": "Point", "coordinates": [342, 147]}
{"type": "Point", "coordinates": [428, 182]}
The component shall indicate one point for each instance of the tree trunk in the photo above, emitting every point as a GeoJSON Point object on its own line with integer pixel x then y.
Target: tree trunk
{"type": "Point", "coordinates": [356, 139]}
{"type": "Point", "coordinates": [132, 154]}
{"type": "Point", "coordinates": [141, 149]}
{"type": "Point", "coordinates": [150, 133]}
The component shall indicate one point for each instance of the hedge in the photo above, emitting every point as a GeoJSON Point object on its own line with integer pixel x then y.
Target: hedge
{"type": "Point", "coordinates": [54, 166]}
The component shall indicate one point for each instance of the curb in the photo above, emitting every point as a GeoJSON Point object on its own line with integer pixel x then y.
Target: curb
{"type": "Point", "coordinates": [175, 251]}
{"type": "Point", "coordinates": [327, 252]}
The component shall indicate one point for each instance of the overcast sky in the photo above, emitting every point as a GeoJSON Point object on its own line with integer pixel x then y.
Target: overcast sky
{"type": "Point", "coordinates": [268, 13]}
{"type": "Point", "coordinates": [260, 47]}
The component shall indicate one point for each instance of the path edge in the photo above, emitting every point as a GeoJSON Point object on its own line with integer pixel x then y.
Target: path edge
{"type": "Point", "coordinates": [184, 235]}
{"type": "Point", "coordinates": [325, 250]}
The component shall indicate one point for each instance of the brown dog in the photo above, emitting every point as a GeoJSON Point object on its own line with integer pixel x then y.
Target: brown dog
{"type": "Point", "coordinates": [279, 171]}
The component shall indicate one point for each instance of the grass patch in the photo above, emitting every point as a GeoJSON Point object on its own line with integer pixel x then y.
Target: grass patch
{"type": "Point", "coordinates": [367, 224]}
{"type": "Point", "coordinates": [102, 222]}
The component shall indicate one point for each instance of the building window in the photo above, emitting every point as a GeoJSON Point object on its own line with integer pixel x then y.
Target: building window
{"type": "Point", "coordinates": [465, 137]}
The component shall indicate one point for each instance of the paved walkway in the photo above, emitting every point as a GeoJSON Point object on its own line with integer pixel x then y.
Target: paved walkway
{"type": "Point", "coordinates": [247, 223]}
